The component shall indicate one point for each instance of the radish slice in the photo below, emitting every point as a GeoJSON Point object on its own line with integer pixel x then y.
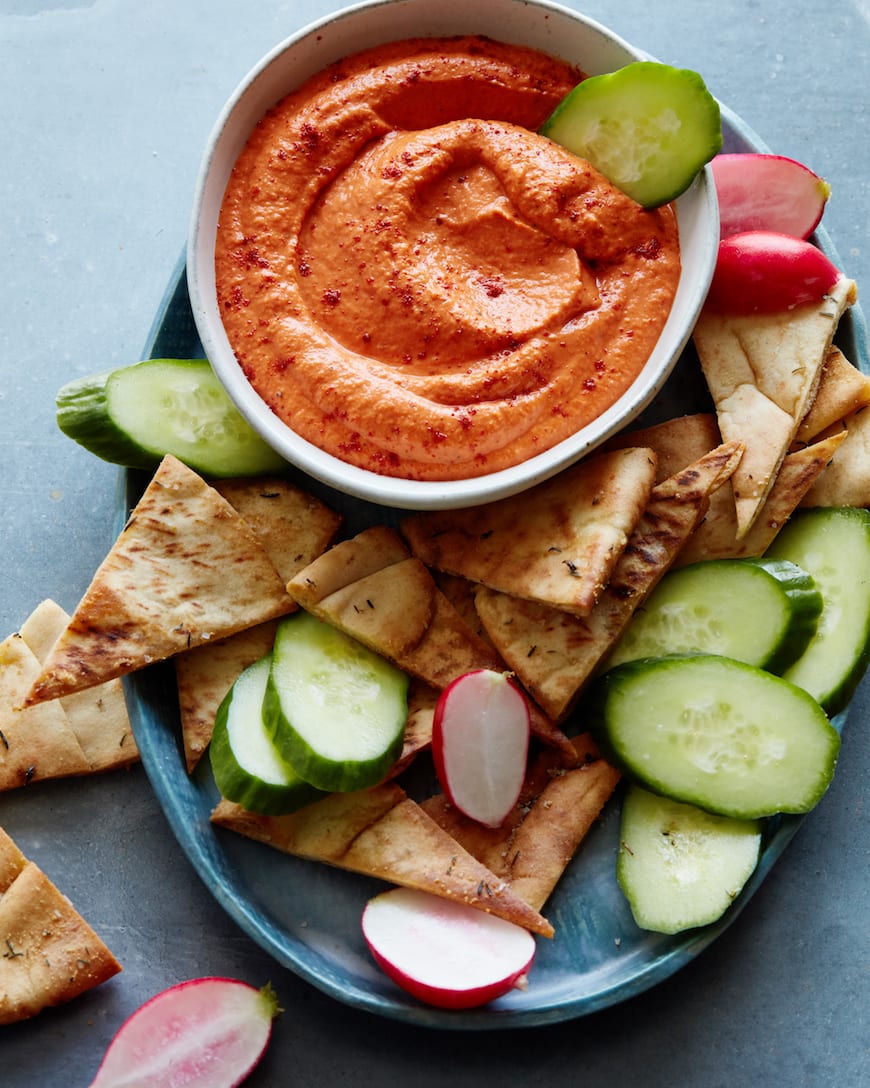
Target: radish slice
{"type": "Point", "coordinates": [204, 1033]}
{"type": "Point", "coordinates": [480, 742]}
{"type": "Point", "coordinates": [445, 953]}
{"type": "Point", "coordinates": [768, 192]}
{"type": "Point", "coordinates": [763, 272]}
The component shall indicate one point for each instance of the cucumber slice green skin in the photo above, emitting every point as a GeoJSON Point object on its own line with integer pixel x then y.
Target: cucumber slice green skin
{"type": "Point", "coordinates": [648, 128]}
{"type": "Point", "coordinates": [134, 415]}
{"type": "Point", "coordinates": [833, 545]}
{"type": "Point", "coordinates": [760, 611]}
{"type": "Point", "coordinates": [335, 709]}
{"type": "Point", "coordinates": [717, 733]}
{"type": "Point", "coordinates": [678, 866]}
{"type": "Point", "coordinates": [246, 766]}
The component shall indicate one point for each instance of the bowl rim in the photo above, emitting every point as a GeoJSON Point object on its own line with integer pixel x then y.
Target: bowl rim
{"type": "Point", "coordinates": [255, 93]}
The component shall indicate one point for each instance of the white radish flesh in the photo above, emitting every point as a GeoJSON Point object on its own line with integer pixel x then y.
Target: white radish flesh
{"type": "Point", "coordinates": [768, 192]}
{"type": "Point", "coordinates": [203, 1033]}
{"type": "Point", "coordinates": [480, 743]}
{"type": "Point", "coordinates": [445, 953]}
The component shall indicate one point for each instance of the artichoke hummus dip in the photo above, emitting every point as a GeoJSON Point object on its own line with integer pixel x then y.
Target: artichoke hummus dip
{"type": "Point", "coordinates": [417, 282]}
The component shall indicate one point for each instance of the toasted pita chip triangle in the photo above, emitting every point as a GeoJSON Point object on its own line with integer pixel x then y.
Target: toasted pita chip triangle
{"type": "Point", "coordinates": [845, 480]}
{"type": "Point", "coordinates": [554, 653]}
{"type": "Point", "coordinates": [293, 526]}
{"type": "Point", "coordinates": [556, 543]}
{"type": "Point", "coordinates": [762, 372]}
{"type": "Point", "coordinates": [37, 742]}
{"type": "Point", "coordinates": [98, 716]}
{"type": "Point", "coordinates": [51, 954]}
{"type": "Point", "coordinates": [843, 390]}
{"type": "Point", "coordinates": [558, 805]}
{"type": "Point", "coordinates": [716, 537]}
{"type": "Point", "coordinates": [186, 569]}
{"type": "Point", "coordinates": [384, 834]}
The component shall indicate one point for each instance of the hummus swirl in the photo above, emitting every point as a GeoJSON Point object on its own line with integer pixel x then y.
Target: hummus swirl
{"type": "Point", "coordinates": [416, 282]}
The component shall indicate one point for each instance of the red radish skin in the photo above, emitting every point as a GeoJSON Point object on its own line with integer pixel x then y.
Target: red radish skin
{"type": "Point", "coordinates": [768, 192]}
{"type": "Point", "coordinates": [444, 953]}
{"type": "Point", "coordinates": [763, 272]}
{"type": "Point", "coordinates": [203, 1033]}
{"type": "Point", "coordinates": [480, 744]}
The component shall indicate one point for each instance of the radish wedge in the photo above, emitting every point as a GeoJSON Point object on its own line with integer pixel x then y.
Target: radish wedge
{"type": "Point", "coordinates": [768, 192]}
{"type": "Point", "coordinates": [764, 272]}
{"type": "Point", "coordinates": [445, 953]}
{"type": "Point", "coordinates": [480, 742]}
{"type": "Point", "coordinates": [203, 1033]}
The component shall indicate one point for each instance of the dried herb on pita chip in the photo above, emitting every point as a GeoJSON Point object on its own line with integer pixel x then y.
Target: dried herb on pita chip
{"type": "Point", "coordinates": [556, 543]}
{"type": "Point", "coordinates": [845, 479]}
{"type": "Point", "coordinates": [558, 805]}
{"type": "Point", "coordinates": [555, 653]}
{"type": "Point", "coordinates": [97, 716]}
{"type": "Point", "coordinates": [382, 833]}
{"type": "Point", "coordinates": [843, 390]}
{"type": "Point", "coordinates": [50, 954]}
{"type": "Point", "coordinates": [763, 371]}
{"type": "Point", "coordinates": [186, 569]}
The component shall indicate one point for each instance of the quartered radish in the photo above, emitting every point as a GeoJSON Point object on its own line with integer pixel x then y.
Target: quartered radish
{"type": "Point", "coordinates": [768, 192]}
{"type": "Point", "coordinates": [716, 733]}
{"type": "Point", "coordinates": [133, 415]}
{"type": "Point", "coordinates": [761, 271]}
{"type": "Point", "coordinates": [833, 544]}
{"type": "Point", "coordinates": [335, 709]}
{"type": "Point", "coordinates": [648, 128]}
{"type": "Point", "coordinates": [761, 611]}
{"type": "Point", "coordinates": [679, 866]}
{"type": "Point", "coordinates": [480, 742]}
{"type": "Point", "coordinates": [247, 767]}
{"type": "Point", "coordinates": [203, 1033]}
{"type": "Point", "coordinates": [445, 953]}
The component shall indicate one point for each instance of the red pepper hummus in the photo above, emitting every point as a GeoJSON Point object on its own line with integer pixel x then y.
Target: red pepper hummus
{"type": "Point", "coordinates": [416, 282]}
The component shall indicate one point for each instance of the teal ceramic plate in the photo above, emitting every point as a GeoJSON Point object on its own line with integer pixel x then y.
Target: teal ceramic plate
{"type": "Point", "coordinates": [307, 915]}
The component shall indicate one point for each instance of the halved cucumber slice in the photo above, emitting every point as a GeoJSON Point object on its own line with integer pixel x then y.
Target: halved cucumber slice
{"type": "Point", "coordinates": [245, 763]}
{"type": "Point", "coordinates": [716, 733]}
{"type": "Point", "coordinates": [648, 128]}
{"type": "Point", "coordinates": [337, 710]}
{"type": "Point", "coordinates": [678, 866]}
{"type": "Point", "coordinates": [833, 545]}
{"type": "Point", "coordinates": [761, 611]}
{"type": "Point", "coordinates": [134, 415]}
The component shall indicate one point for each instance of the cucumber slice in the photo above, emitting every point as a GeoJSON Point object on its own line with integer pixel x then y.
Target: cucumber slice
{"type": "Point", "coordinates": [833, 545]}
{"type": "Point", "coordinates": [337, 710]}
{"type": "Point", "coordinates": [761, 611]}
{"type": "Point", "coordinates": [134, 415]}
{"type": "Point", "coordinates": [648, 128]}
{"type": "Point", "coordinates": [246, 765]}
{"type": "Point", "coordinates": [678, 866]}
{"type": "Point", "coordinates": [716, 733]}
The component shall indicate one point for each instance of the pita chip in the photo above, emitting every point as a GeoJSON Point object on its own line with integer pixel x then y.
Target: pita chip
{"type": "Point", "coordinates": [51, 955]}
{"type": "Point", "coordinates": [36, 742]}
{"type": "Point", "coordinates": [293, 526]}
{"type": "Point", "coordinates": [556, 543]}
{"type": "Point", "coordinates": [382, 833]}
{"type": "Point", "coordinates": [763, 371]}
{"type": "Point", "coordinates": [843, 390]}
{"type": "Point", "coordinates": [559, 803]}
{"type": "Point", "coordinates": [97, 716]}
{"type": "Point", "coordinates": [555, 653]}
{"type": "Point", "coordinates": [845, 480]}
{"type": "Point", "coordinates": [186, 569]}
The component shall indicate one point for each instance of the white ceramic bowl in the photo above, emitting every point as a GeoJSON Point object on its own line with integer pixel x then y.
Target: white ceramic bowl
{"type": "Point", "coordinates": [542, 25]}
